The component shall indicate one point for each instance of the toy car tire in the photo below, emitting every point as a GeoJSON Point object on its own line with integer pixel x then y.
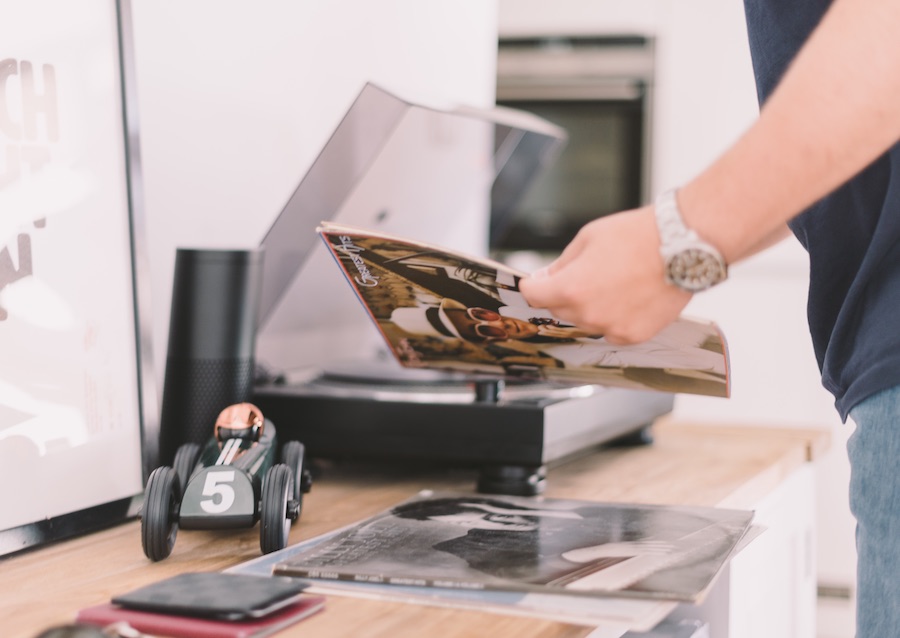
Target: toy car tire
{"type": "Point", "coordinates": [185, 461]}
{"type": "Point", "coordinates": [275, 524]}
{"type": "Point", "coordinates": [293, 454]}
{"type": "Point", "coordinates": [159, 518]}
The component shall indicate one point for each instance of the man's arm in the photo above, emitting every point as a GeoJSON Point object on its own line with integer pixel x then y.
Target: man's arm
{"type": "Point", "coordinates": [835, 111]}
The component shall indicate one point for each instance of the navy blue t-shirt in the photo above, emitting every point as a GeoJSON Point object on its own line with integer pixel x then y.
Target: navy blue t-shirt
{"type": "Point", "coordinates": [852, 236]}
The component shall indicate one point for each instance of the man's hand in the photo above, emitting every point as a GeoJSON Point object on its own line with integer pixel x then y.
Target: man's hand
{"type": "Point", "coordinates": [609, 280]}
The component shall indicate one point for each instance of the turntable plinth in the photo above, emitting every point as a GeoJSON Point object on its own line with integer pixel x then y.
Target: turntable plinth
{"type": "Point", "coordinates": [510, 432]}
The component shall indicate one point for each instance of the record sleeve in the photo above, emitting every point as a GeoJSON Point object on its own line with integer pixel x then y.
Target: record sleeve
{"type": "Point", "coordinates": [634, 614]}
{"type": "Point", "coordinates": [532, 544]}
{"type": "Point", "coordinates": [440, 309]}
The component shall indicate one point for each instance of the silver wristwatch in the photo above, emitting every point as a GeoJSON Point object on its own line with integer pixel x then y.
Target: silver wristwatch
{"type": "Point", "coordinates": [690, 263]}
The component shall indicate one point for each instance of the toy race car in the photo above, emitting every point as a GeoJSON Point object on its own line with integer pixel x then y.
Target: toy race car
{"type": "Point", "coordinates": [232, 482]}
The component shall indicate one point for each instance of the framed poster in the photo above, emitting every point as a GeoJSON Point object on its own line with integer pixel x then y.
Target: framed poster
{"type": "Point", "coordinates": [77, 403]}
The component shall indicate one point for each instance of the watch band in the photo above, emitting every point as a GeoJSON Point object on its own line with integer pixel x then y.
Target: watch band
{"type": "Point", "coordinates": [690, 263]}
{"type": "Point", "coordinates": [670, 223]}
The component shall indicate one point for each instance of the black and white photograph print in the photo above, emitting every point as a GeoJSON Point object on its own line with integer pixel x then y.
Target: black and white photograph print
{"type": "Point", "coordinates": [480, 541]}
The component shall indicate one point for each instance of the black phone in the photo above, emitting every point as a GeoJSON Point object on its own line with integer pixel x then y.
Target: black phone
{"type": "Point", "coordinates": [219, 595]}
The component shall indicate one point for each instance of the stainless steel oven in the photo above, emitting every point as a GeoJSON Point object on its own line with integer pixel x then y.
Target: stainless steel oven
{"type": "Point", "coordinates": [599, 89]}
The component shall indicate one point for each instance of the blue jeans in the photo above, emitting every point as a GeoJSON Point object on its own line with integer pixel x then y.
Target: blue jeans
{"type": "Point", "coordinates": [874, 450]}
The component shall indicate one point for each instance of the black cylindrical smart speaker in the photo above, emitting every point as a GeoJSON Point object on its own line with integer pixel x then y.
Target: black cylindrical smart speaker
{"type": "Point", "coordinates": [212, 334]}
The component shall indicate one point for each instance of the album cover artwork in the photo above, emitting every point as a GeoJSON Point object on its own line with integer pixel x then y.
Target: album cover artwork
{"type": "Point", "coordinates": [441, 309]}
{"type": "Point", "coordinates": [511, 543]}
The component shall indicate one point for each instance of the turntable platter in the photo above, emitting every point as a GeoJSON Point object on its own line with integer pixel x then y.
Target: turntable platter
{"type": "Point", "coordinates": [378, 372]}
{"type": "Point", "coordinates": [390, 381]}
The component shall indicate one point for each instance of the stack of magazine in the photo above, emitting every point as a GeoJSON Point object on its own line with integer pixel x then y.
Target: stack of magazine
{"type": "Point", "coordinates": [575, 561]}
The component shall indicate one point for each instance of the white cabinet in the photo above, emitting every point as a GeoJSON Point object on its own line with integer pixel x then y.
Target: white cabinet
{"type": "Point", "coordinates": [769, 588]}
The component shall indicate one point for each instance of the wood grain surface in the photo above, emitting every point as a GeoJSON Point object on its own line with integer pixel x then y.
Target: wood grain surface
{"type": "Point", "coordinates": [686, 464]}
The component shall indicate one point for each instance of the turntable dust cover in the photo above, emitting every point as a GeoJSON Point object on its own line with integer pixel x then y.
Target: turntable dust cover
{"type": "Point", "coordinates": [440, 309]}
{"type": "Point", "coordinates": [515, 543]}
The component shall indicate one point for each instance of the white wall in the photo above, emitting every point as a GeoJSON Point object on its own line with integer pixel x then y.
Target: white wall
{"type": "Point", "coordinates": [236, 98]}
{"type": "Point", "coordinates": [705, 97]}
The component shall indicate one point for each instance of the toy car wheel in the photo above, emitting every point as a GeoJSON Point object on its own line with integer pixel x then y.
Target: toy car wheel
{"type": "Point", "coordinates": [185, 461]}
{"type": "Point", "coordinates": [159, 519]}
{"type": "Point", "coordinates": [275, 523]}
{"type": "Point", "coordinates": [293, 454]}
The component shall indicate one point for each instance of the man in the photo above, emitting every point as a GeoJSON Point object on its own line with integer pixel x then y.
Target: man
{"type": "Point", "coordinates": [829, 78]}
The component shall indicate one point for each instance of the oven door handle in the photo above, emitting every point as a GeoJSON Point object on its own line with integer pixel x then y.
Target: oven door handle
{"type": "Point", "coordinates": [570, 89]}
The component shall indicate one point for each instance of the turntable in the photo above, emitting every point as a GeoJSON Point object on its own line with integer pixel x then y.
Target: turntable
{"type": "Point", "coordinates": [447, 176]}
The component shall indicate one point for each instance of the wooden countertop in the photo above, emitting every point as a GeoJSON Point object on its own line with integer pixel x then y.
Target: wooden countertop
{"type": "Point", "coordinates": [689, 464]}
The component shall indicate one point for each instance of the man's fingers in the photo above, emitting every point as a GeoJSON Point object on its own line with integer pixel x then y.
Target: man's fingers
{"type": "Point", "coordinates": [541, 289]}
{"type": "Point", "coordinates": [609, 280]}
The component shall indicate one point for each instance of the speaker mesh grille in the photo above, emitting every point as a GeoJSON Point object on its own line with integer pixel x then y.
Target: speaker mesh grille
{"type": "Point", "coordinates": [195, 392]}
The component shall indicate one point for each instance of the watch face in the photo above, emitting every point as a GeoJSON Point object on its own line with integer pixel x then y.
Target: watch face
{"type": "Point", "coordinates": [695, 269]}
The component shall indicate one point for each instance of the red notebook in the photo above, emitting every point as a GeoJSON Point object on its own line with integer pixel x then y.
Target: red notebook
{"type": "Point", "coordinates": [189, 627]}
